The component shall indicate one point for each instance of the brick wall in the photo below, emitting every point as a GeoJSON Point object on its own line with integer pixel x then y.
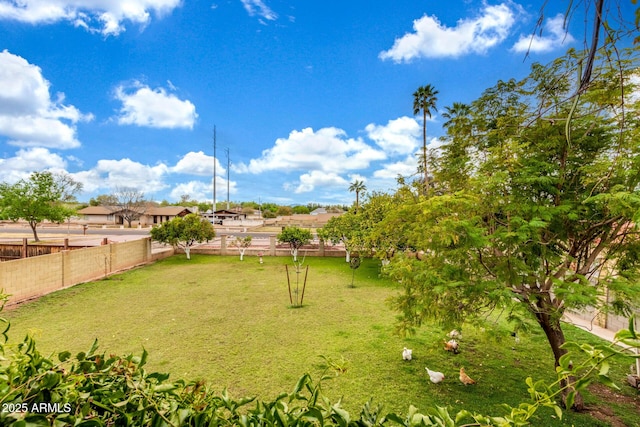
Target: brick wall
{"type": "Point", "coordinates": [29, 278]}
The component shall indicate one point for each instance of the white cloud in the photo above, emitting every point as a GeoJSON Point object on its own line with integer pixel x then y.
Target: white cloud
{"type": "Point", "coordinates": [104, 16]}
{"type": "Point", "coordinates": [258, 7]}
{"type": "Point", "coordinates": [431, 39]}
{"type": "Point", "coordinates": [108, 174]}
{"type": "Point", "coordinates": [28, 115]}
{"type": "Point", "coordinates": [143, 106]}
{"type": "Point", "coordinates": [556, 36]}
{"type": "Point", "coordinates": [327, 150]}
{"type": "Point", "coordinates": [202, 191]}
{"type": "Point", "coordinates": [198, 163]}
{"type": "Point", "coordinates": [27, 161]}
{"type": "Point", "coordinates": [390, 171]}
{"type": "Point", "coordinates": [399, 136]}
{"type": "Point", "coordinates": [309, 181]}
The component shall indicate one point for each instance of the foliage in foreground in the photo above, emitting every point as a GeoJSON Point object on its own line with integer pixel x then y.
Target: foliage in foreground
{"type": "Point", "coordinates": [96, 389]}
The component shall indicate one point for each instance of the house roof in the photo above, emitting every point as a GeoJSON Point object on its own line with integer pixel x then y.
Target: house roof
{"type": "Point", "coordinates": [94, 210]}
{"type": "Point", "coordinates": [167, 210]}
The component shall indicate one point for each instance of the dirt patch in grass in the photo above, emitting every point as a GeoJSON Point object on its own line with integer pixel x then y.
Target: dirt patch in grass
{"type": "Point", "coordinates": [608, 397]}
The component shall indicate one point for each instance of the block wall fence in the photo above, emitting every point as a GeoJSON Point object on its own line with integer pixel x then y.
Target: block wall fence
{"type": "Point", "coordinates": [28, 278]}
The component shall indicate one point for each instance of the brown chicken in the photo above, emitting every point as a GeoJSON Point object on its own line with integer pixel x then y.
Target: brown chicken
{"type": "Point", "coordinates": [451, 345]}
{"type": "Point", "coordinates": [465, 379]}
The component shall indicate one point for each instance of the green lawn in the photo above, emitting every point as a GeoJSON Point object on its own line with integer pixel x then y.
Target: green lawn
{"type": "Point", "coordinates": [230, 323]}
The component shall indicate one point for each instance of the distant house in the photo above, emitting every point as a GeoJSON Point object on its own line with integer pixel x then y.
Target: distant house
{"type": "Point", "coordinates": [105, 215]}
{"type": "Point", "coordinates": [223, 214]}
{"type": "Point", "coordinates": [318, 211]}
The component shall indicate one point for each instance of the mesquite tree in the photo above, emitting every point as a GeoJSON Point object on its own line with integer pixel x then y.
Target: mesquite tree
{"type": "Point", "coordinates": [127, 202]}
{"type": "Point", "coordinates": [543, 217]}
{"type": "Point", "coordinates": [40, 197]}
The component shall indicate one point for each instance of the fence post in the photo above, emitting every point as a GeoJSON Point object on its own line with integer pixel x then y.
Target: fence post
{"type": "Point", "coordinates": [66, 244]}
{"type": "Point", "coordinates": [223, 244]}
{"type": "Point", "coordinates": [321, 247]}
{"type": "Point", "coordinates": [148, 249]}
{"type": "Point", "coordinates": [272, 245]}
{"type": "Point", "coordinates": [24, 252]}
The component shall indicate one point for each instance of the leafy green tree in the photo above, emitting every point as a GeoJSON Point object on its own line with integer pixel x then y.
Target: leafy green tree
{"type": "Point", "coordinates": [296, 237]}
{"type": "Point", "coordinates": [40, 197]}
{"type": "Point", "coordinates": [284, 211]}
{"type": "Point", "coordinates": [184, 232]}
{"type": "Point", "coordinates": [270, 207]}
{"type": "Point", "coordinates": [357, 187]}
{"type": "Point", "coordinates": [100, 200]}
{"type": "Point", "coordinates": [546, 220]}
{"type": "Point", "coordinates": [301, 210]}
{"type": "Point", "coordinates": [454, 157]}
{"type": "Point", "coordinates": [343, 229]}
{"type": "Point", "coordinates": [203, 206]}
{"type": "Point", "coordinates": [383, 241]}
{"type": "Point", "coordinates": [424, 100]}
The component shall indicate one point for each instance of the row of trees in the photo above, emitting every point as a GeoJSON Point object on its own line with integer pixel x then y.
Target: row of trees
{"type": "Point", "coordinates": [267, 209]}
{"type": "Point", "coordinates": [48, 196]}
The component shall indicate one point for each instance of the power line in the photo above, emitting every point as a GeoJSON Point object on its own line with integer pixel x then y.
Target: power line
{"type": "Point", "coordinates": [213, 204]}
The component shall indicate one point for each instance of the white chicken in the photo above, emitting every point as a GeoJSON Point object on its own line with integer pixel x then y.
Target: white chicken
{"type": "Point", "coordinates": [406, 354]}
{"type": "Point", "coordinates": [435, 376]}
{"type": "Point", "coordinates": [454, 334]}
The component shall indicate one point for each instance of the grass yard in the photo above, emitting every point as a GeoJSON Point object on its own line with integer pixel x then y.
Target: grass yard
{"type": "Point", "coordinates": [230, 323]}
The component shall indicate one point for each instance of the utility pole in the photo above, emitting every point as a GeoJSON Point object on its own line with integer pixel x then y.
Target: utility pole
{"type": "Point", "coordinates": [213, 206]}
{"type": "Point", "coordinates": [228, 164]}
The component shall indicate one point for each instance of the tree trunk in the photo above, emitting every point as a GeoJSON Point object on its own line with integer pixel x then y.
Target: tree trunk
{"type": "Point", "coordinates": [347, 257]}
{"type": "Point", "coordinates": [424, 151]}
{"type": "Point", "coordinates": [553, 330]}
{"type": "Point", "coordinates": [33, 226]}
{"type": "Point", "coordinates": [187, 251]}
{"type": "Point", "coordinates": [294, 252]}
{"type": "Point", "coordinates": [241, 254]}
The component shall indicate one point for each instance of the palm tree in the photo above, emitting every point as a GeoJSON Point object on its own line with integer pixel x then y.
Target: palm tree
{"type": "Point", "coordinates": [456, 115]}
{"type": "Point", "coordinates": [454, 157]}
{"type": "Point", "coordinates": [424, 99]}
{"type": "Point", "coordinates": [357, 187]}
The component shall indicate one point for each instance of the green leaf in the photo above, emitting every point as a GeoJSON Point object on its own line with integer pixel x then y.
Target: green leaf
{"type": "Point", "coordinates": [608, 382]}
{"type": "Point", "coordinates": [64, 356]}
{"type": "Point", "coordinates": [558, 411]}
{"type": "Point", "coordinates": [571, 396]}
{"type": "Point", "coordinates": [164, 388]}
{"type": "Point", "coordinates": [301, 383]}
{"type": "Point", "coordinates": [36, 421]}
{"type": "Point", "coordinates": [396, 418]}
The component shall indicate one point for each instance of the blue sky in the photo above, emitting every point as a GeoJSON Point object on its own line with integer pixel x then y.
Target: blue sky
{"type": "Point", "coordinates": [306, 96]}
